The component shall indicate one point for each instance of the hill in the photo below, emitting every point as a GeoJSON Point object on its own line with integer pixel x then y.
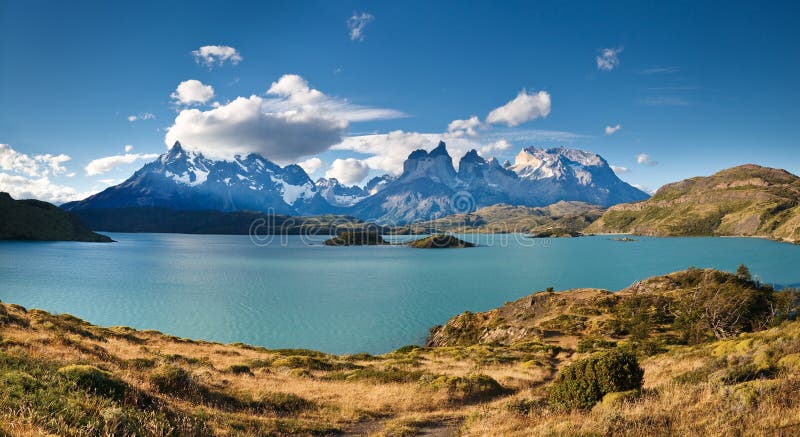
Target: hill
{"type": "Point", "coordinates": [748, 200]}
{"type": "Point", "coordinates": [37, 220]}
{"type": "Point", "coordinates": [60, 375]}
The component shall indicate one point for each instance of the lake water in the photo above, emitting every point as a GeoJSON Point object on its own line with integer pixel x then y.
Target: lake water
{"type": "Point", "coordinates": [290, 292]}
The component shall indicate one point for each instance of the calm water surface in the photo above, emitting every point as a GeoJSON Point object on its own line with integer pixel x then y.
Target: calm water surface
{"type": "Point", "coordinates": [290, 293]}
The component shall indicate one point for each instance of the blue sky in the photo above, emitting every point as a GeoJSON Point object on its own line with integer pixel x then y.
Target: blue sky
{"type": "Point", "coordinates": [694, 86]}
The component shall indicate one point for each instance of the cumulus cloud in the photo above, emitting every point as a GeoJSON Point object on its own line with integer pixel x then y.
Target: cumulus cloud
{"type": "Point", "coordinates": [464, 127]}
{"type": "Point", "coordinates": [216, 55]}
{"type": "Point", "coordinates": [108, 163]}
{"type": "Point", "coordinates": [644, 159]}
{"type": "Point", "coordinates": [524, 107]}
{"type": "Point", "coordinates": [619, 169]}
{"type": "Point", "coordinates": [192, 91]}
{"type": "Point", "coordinates": [611, 129]}
{"type": "Point", "coordinates": [356, 25]}
{"type": "Point", "coordinates": [20, 187]}
{"type": "Point", "coordinates": [242, 127]}
{"type": "Point", "coordinates": [608, 59]}
{"type": "Point", "coordinates": [292, 92]}
{"type": "Point", "coordinates": [292, 122]}
{"type": "Point", "coordinates": [348, 171]}
{"type": "Point", "coordinates": [37, 165]}
{"type": "Point", "coordinates": [311, 165]}
{"type": "Point", "coordinates": [128, 148]}
{"type": "Point", "coordinates": [142, 116]}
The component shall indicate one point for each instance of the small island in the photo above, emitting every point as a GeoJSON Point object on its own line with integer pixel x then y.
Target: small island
{"type": "Point", "coordinates": [440, 241]}
{"type": "Point", "coordinates": [357, 237]}
{"type": "Point", "coordinates": [361, 237]}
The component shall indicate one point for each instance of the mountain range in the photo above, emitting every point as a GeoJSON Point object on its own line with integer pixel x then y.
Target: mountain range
{"type": "Point", "coordinates": [428, 188]}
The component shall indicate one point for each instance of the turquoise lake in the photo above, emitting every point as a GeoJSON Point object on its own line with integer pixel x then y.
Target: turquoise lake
{"type": "Point", "coordinates": [294, 293]}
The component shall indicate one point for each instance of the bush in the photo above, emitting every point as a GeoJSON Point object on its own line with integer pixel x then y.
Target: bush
{"type": "Point", "coordinates": [171, 380]}
{"type": "Point", "coordinates": [583, 383]}
{"type": "Point", "coordinates": [471, 388]}
{"type": "Point", "coordinates": [281, 403]}
{"type": "Point", "coordinates": [302, 362]}
{"type": "Point", "coordinates": [91, 378]}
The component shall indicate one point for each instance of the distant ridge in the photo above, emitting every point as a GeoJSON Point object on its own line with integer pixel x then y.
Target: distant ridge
{"type": "Point", "coordinates": [41, 221]}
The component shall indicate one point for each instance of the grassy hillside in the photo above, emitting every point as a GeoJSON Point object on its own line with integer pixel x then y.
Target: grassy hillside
{"type": "Point", "coordinates": [491, 373]}
{"type": "Point", "coordinates": [748, 200]}
{"type": "Point", "coordinates": [37, 220]}
{"type": "Point", "coordinates": [562, 217]}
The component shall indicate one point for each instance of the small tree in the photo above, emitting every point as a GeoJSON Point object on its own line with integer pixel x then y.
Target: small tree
{"type": "Point", "coordinates": [744, 273]}
{"type": "Point", "coordinates": [583, 383]}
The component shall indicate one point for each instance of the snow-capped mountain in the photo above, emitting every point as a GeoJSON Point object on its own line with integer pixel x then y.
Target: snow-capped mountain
{"type": "Point", "coordinates": [338, 194]}
{"type": "Point", "coordinates": [184, 179]}
{"type": "Point", "coordinates": [428, 188]}
{"type": "Point", "coordinates": [569, 174]}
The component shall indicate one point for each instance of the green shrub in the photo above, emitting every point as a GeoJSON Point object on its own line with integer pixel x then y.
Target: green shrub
{"type": "Point", "coordinates": [583, 383]}
{"type": "Point", "coordinates": [171, 380]}
{"type": "Point", "coordinates": [302, 362]}
{"type": "Point", "coordinates": [471, 388]}
{"type": "Point", "coordinates": [382, 376]}
{"type": "Point", "coordinates": [238, 369]}
{"type": "Point", "coordinates": [102, 382]}
{"type": "Point", "coordinates": [281, 403]}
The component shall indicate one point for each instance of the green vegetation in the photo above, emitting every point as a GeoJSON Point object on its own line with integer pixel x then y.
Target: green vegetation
{"type": "Point", "coordinates": [748, 200]}
{"type": "Point", "coordinates": [440, 241]}
{"type": "Point", "coordinates": [357, 238]}
{"type": "Point", "coordinates": [37, 220]}
{"type": "Point", "coordinates": [582, 384]}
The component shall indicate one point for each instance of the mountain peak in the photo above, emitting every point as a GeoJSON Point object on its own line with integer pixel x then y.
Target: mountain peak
{"type": "Point", "coordinates": [440, 149]}
{"type": "Point", "coordinates": [472, 156]}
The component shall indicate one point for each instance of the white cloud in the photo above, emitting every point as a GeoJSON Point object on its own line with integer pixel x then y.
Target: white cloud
{"type": "Point", "coordinates": [53, 162]}
{"type": "Point", "coordinates": [464, 127]}
{"type": "Point", "coordinates": [357, 23]}
{"type": "Point", "coordinates": [242, 127]}
{"type": "Point", "coordinates": [497, 146]}
{"type": "Point", "coordinates": [11, 160]}
{"type": "Point", "coordinates": [608, 58]}
{"type": "Point", "coordinates": [619, 169]}
{"type": "Point", "coordinates": [17, 162]}
{"type": "Point", "coordinates": [644, 159]}
{"type": "Point", "coordinates": [524, 107]}
{"type": "Point", "coordinates": [348, 171]}
{"type": "Point", "coordinates": [210, 55]}
{"type": "Point", "coordinates": [292, 92]}
{"type": "Point", "coordinates": [20, 187]}
{"type": "Point", "coordinates": [142, 116]}
{"type": "Point", "coordinates": [192, 91]}
{"type": "Point", "coordinates": [311, 165]}
{"type": "Point", "coordinates": [108, 163]}
{"type": "Point", "coordinates": [611, 129]}
{"type": "Point", "coordinates": [128, 148]}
